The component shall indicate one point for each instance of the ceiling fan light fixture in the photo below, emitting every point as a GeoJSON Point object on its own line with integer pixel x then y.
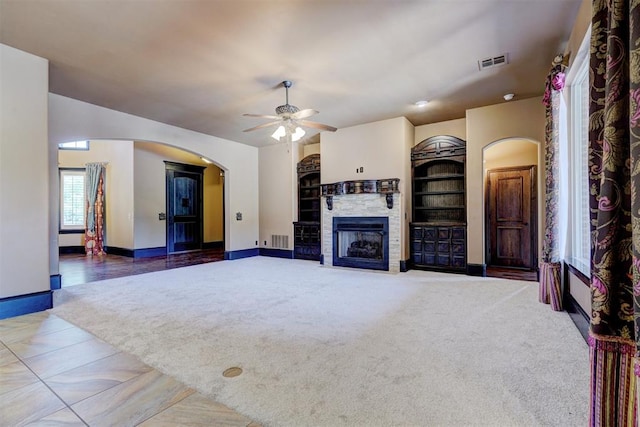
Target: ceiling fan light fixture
{"type": "Point", "coordinates": [299, 133]}
{"type": "Point", "coordinates": [279, 133]}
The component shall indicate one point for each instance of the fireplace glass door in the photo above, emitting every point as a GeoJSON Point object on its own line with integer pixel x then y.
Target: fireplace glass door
{"type": "Point", "coordinates": [361, 242]}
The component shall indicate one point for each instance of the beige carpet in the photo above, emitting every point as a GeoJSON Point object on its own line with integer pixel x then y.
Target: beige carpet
{"type": "Point", "coordinates": [322, 346]}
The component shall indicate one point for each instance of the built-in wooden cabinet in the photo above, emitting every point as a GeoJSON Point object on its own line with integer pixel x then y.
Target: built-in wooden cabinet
{"type": "Point", "coordinates": [438, 229]}
{"type": "Point", "coordinates": [306, 231]}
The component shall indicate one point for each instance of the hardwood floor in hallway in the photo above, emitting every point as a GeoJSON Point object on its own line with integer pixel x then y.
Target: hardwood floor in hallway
{"type": "Point", "coordinates": [76, 269]}
{"type": "Point", "coordinates": [512, 273]}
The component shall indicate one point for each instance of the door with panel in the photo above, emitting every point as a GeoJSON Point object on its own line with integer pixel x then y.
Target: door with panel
{"type": "Point", "coordinates": [184, 207]}
{"type": "Point", "coordinates": [511, 213]}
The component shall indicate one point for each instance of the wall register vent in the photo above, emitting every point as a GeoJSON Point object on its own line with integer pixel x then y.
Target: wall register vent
{"type": "Point", "coordinates": [495, 61]}
{"type": "Point", "coordinates": [280, 241]}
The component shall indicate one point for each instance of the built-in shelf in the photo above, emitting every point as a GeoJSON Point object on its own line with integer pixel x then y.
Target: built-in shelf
{"type": "Point", "coordinates": [438, 227]}
{"type": "Point", "coordinates": [306, 231]}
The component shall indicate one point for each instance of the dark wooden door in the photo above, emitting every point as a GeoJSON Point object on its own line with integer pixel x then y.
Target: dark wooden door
{"type": "Point", "coordinates": [511, 213]}
{"type": "Point", "coordinates": [184, 207]}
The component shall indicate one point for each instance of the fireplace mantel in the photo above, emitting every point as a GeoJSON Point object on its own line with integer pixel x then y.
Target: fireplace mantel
{"type": "Point", "coordinates": [364, 186]}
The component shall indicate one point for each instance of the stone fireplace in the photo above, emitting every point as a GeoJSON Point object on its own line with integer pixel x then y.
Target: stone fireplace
{"type": "Point", "coordinates": [361, 223]}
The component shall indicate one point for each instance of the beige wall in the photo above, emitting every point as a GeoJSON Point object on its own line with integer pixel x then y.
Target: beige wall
{"type": "Point", "coordinates": [518, 152]}
{"type": "Point", "coordinates": [310, 149]}
{"type": "Point", "coordinates": [118, 186]}
{"type": "Point", "coordinates": [382, 149]}
{"type": "Point", "coordinates": [523, 119]}
{"type": "Point", "coordinates": [278, 191]}
{"type": "Point", "coordinates": [71, 120]}
{"type": "Point", "coordinates": [578, 290]}
{"type": "Point", "coordinates": [510, 152]}
{"type": "Point", "coordinates": [150, 194]}
{"type": "Point", "coordinates": [580, 28]}
{"type": "Point", "coordinates": [132, 204]}
{"type": "Point", "coordinates": [457, 128]}
{"type": "Point", "coordinates": [24, 174]}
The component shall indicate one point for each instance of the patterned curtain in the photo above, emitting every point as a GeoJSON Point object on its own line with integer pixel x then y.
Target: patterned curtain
{"type": "Point", "coordinates": [94, 229]}
{"type": "Point", "coordinates": [614, 177]}
{"type": "Point", "coordinates": [549, 288]}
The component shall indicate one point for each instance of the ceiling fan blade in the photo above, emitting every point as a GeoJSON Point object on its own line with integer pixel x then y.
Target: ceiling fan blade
{"type": "Point", "coordinates": [264, 125]}
{"type": "Point", "coordinates": [303, 114]}
{"type": "Point", "coordinates": [264, 116]}
{"type": "Point", "coordinates": [316, 125]}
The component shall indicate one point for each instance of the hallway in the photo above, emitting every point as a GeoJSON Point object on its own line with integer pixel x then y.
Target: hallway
{"type": "Point", "coordinates": [76, 269]}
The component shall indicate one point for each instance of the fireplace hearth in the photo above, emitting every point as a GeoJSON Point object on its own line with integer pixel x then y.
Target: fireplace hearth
{"type": "Point", "coordinates": [361, 242]}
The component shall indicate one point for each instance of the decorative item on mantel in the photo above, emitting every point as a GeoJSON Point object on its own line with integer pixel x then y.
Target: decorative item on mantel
{"type": "Point", "coordinates": [385, 187]}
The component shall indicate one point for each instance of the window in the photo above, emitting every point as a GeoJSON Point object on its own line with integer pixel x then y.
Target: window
{"type": "Point", "coordinates": [72, 200]}
{"type": "Point", "coordinates": [579, 246]}
{"type": "Point", "coordinates": [74, 145]}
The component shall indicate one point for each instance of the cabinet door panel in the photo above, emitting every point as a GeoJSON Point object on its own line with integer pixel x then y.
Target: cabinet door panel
{"type": "Point", "coordinates": [429, 259]}
{"type": "Point", "coordinates": [457, 233]}
{"type": "Point", "coordinates": [417, 233]}
{"type": "Point", "coordinates": [443, 247]}
{"type": "Point", "coordinates": [430, 233]}
{"type": "Point", "coordinates": [443, 233]}
{"type": "Point", "coordinates": [443, 260]}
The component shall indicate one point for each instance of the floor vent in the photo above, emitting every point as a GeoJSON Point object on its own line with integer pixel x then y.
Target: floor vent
{"type": "Point", "coordinates": [280, 241]}
{"type": "Point", "coordinates": [495, 61]}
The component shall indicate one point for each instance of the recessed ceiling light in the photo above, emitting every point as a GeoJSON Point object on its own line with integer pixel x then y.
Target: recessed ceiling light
{"type": "Point", "coordinates": [508, 97]}
{"type": "Point", "coordinates": [421, 103]}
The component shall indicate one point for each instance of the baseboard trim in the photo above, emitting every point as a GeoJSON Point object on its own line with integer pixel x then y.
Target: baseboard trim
{"type": "Point", "coordinates": [276, 253]}
{"type": "Point", "coordinates": [113, 250]}
{"type": "Point", "coordinates": [55, 281]}
{"type": "Point", "coordinates": [137, 253]}
{"type": "Point", "coordinates": [213, 245]}
{"type": "Point", "coordinates": [479, 270]}
{"type": "Point", "coordinates": [71, 250]}
{"type": "Point", "coordinates": [150, 252]}
{"type": "Point", "coordinates": [25, 304]}
{"type": "Point", "coordinates": [242, 253]}
{"type": "Point", "coordinates": [579, 317]}
{"type": "Point", "coordinates": [404, 265]}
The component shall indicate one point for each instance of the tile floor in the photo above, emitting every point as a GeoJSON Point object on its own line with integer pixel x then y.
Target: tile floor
{"type": "Point", "coordinates": [55, 374]}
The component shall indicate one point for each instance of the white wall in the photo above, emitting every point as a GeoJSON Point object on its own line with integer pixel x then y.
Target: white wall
{"type": "Point", "coordinates": [71, 120]}
{"type": "Point", "coordinates": [24, 174]}
{"type": "Point", "coordinates": [118, 189]}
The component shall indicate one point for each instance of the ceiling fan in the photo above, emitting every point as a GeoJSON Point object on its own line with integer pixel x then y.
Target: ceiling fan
{"type": "Point", "coordinates": [290, 118]}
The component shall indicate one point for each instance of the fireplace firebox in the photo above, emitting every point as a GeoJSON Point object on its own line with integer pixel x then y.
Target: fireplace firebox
{"type": "Point", "coordinates": [361, 242]}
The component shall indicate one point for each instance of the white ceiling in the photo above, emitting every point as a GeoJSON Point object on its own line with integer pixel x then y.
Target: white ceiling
{"type": "Point", "coordinates": [201, 64]}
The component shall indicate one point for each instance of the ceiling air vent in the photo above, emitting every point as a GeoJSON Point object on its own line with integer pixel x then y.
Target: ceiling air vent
{"type": "Point", "coordinates": [483, 64]}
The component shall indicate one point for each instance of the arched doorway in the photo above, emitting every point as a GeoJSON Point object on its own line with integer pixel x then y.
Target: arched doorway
{"type": "Point", "coordinates": [511, 177]}
{"type": "Point", "coordinates": [135, 211]}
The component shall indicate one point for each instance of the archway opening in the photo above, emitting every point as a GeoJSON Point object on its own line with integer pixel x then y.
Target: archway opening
{"type": "Point", "coordinates": [511, 207]}
{"type": "Point", "coordinates": [135, 211]}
